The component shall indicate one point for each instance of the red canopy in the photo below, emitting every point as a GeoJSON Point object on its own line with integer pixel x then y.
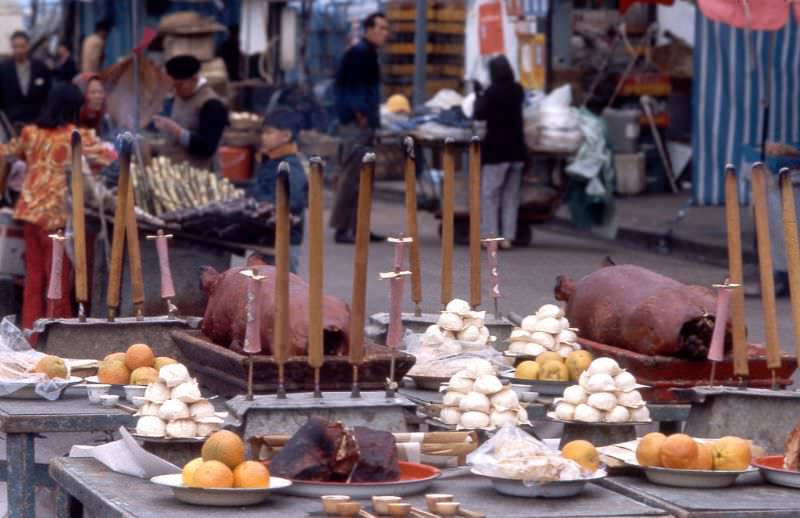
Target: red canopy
{"type": "Point", "coordinates": [760, 15]}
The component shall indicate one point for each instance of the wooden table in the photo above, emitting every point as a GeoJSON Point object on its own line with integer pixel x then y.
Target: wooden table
{"type": "Point", "coordinates": [21, 421]}
{"type": "Point", "coordinates": [750, 497]}
{"type": "Point", "coordinates": [87, 483]}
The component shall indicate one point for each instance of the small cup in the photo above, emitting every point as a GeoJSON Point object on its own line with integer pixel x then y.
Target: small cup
{"type": "Point", "coordinates": [447, 508]}
{"type": "Point", "coordinates": [95, 391]}
{"type": "Point", "coordinates": [139, 401]}
{"type": "Point", "coordinates": [132, 391]}
{"type": "Point", "coordinates": [329, 502]}
{"type": "Point", "coordinates": [398, 509]}
{"type": "Point", "coordinates": [109, 399]}
{"type": "Point", "coordinates": [433, 498]}
{"type": "Point", "coordinates": [348, 508]}
{"type": "Point", "coordinates": [381, 503]}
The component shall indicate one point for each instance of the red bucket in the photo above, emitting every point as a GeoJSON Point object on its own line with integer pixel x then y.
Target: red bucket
{"type": "Point", "coordinates": [237, 163]}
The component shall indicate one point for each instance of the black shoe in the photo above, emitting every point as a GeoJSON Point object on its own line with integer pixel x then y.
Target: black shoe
{"type": "Point", "coordinates": [344, 237]}
{"type": "Point", "coordinates": [373, 237]}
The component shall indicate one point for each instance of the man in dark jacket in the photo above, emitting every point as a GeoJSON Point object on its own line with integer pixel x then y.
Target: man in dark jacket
{"type": "Point", "coordinates": [197, 118]}
{"type": "Point", "coordinates": [358, 107]}
{"type": "Point", "coordinates": [24, 82]}
{"type": "Point", "coordinates": [278, 138]}
{"type": "Point", "coordinates": [502, 151]}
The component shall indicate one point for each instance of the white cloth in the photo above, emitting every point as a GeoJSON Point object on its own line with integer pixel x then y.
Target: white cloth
{"type": "Point", "coordinates": [253, 33]}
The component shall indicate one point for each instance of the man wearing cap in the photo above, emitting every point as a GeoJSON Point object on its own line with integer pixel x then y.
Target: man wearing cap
{"type": "Point", "coordinates": [197, 118]}
{"type": "Point", "coordinates": [358, 105]}
{"type": "Point", "coordinates": [278, 144]}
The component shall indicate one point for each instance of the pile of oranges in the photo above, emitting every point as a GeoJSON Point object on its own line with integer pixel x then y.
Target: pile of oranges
{"type": "Point", "coordinates": [223, 465]}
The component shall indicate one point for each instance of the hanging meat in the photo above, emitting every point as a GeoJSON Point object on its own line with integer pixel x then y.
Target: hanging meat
{"type": "Point", "coordinates": [325, 451]}
{"type": "Point", "coordinates": [637, 309]}
{"type": "Point", "coordinates": [225, 317]}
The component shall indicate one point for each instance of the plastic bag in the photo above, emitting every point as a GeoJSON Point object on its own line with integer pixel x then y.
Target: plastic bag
{"type": "Point", "coordinates": [447, 358]}
{"type": "Point", "coordinates": [514, 454]}
{"type": "Point", "coordinates": [18, 359]}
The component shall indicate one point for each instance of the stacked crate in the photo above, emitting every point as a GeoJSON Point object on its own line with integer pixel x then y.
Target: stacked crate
{"type": "Point", "coordinates": [445, 47]}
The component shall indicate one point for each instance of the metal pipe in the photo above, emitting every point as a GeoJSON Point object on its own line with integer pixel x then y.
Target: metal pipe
{"type": "Point", "coordinates": [420, 52]}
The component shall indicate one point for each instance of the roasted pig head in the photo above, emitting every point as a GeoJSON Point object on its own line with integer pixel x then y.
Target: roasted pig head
{"type": "Point", "coordinates": [637, 309]}
{"type": "Point", "coordinates": [225, 317]}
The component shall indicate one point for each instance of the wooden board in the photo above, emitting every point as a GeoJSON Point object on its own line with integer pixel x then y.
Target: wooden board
{"type": "Point", "coordinates": [71, 413]}
{"type": "Point", "coordinates": [111, 494]}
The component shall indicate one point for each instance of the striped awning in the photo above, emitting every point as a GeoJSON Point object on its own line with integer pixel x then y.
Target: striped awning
{"type": "Point", "coordinates": [729, 83]}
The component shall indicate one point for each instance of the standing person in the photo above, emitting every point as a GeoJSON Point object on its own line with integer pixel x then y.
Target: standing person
{"type": "Point", "coordinates": [358, 107]}
{"type": "Point", "coordinates": [502, 152]}
{"type": "Point", "coordinates": [64, 67]}
{"type": "Point", "coordinates": [197, 117]}
{"type": "Point", "coordinates": [24, 82]}
{"type": "Point", "coordinates": [93, 49]}
{"type": "Point", "coordinates": [93, 114]}
{"type": "Point", "coordinates": [278, 144]}
{"type": "Point", "coordinates": [42, 205]}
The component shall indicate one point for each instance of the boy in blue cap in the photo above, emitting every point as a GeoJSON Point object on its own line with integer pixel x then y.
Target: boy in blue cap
{"type": "Point", "coordinates": [278, 144]}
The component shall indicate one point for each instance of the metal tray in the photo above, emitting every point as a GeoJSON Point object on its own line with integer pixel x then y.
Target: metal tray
{"type": "Point", "coordinates": [414, 478]}
{"type": "Point", "coordinates": [545, 388]}
{"type": "Point", "coordinates": [559, 489]}
{"type": "Point", "coordinates": [772, 470]}
{"type": "Point", "coordinates": [27, 390]}
{"type": "Point", "coordinates": [428, 382]}
{"type": "Point", "coordinates": [693, 478]}
{"type": "Point", "coordinates": [233, 497]}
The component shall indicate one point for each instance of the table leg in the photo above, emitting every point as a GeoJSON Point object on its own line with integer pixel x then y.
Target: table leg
{"type": "Point", "coordinates": [670, 427]}
{"type": "Point", "coordinates": [21, 485]}
{"type": "Point", "coordinates": [66, 505]}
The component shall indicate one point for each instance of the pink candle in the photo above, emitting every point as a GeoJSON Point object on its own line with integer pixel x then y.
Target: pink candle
{"type": "Point", "coordinates": [395, 332]}
{"type": "Point", "coordinates": [716, 351]}
{"type": "Point", "coordinates": [252, 334]}
{"type": "Point", "coordinates": [167, 287]}
{"type": "Point", "coordinates": [494, 277]}
{"type": "Point", "coordinates": [56, 263]}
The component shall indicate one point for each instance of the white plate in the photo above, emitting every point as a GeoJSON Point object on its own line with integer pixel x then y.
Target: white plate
{"type": "Point", "coordinates": [559, 489]}
{"type": "Point", "coordinates": [546, 388]}
{"type": "Point", "coordinates": [234, 497]}
{"type": "Point", "coordinates": [693, 478]}
{"type": "Point", "coordinates": [552, 416]}
{"type": "Point", "coordinates": [27, 390]}
{"type": "Point", "coordinates": [415, 478]}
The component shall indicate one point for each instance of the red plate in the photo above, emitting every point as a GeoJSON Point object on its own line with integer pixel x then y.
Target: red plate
{"type": "Point", "coordinates": [772, 470]}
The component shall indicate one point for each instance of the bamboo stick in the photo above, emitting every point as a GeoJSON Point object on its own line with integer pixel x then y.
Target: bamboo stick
{"type": "Point", "coordinates": [411, 225]}
{"type": "Point", "coordinates": [79, 223]}
{"type": "Point", "coordinates": [448, 206]}
{"type": "Point", "coordinates": [316, 254]}
{"type": "Point", "coordinates": [792, 251]}
{"type": "Point", "coordinates": [734, 226]}
{"type": "Point", "coordinates": [118, 239]}
{"type": "Point", "coordinates": [475, 222]}
{"type": "Point", "coordinates": [280, 345]}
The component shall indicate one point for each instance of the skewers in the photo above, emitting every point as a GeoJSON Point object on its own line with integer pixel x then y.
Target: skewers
{"type": "Point", "coordinates": [79, 227]}
{"type": "Point", "coordinates": [411, 225]}
{"type": "Point", "coordinates": [280, 343]}
{"type": "Point", "coordinates": [475, 222]}
{"type": "Point", "coordinates": [316, 254]}
{"type": "Point", "coordinates": [448, 201]}
{"type": "Point", "coordinates": [358, 300]}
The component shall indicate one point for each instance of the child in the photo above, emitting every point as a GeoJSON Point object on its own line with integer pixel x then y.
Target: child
{"type": "Point", "coordinates": [281, 126]}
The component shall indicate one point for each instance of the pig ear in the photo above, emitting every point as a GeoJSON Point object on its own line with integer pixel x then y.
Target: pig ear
{"type": "Point", "coordinates": [209, 277]}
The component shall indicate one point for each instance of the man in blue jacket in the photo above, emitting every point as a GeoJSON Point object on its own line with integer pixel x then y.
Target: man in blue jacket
{"type": "Point", "coordinates": [278, 144]}
{"type": "Point", "coordinates": [358, 107]}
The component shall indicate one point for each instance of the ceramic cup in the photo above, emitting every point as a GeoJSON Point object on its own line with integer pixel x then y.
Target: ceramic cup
{"type": "Point", "coordinates": [447, 508]}
{"type": "Point", "coordinates": [398, 509]}
{"type": "Point", "coordinates": [139, 401]}
{"type": "Point", "coordinates": [432, 499]}
{"type": "Point", "coordinates": [132, 391]}
{"type": "Point", "coordinates": [95, 391]}
{"type": "Point", "coordinates": [109, 399]}
{"type": "Point", "coordinates": [329, 502]}
{"type": "Point", "coordinates": [381, 503]}
{"type": "Point", "coordinates": [348, 508]}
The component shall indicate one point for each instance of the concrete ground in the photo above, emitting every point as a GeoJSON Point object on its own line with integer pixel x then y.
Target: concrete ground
{"type": "Point", "coordinates": [527, 277]}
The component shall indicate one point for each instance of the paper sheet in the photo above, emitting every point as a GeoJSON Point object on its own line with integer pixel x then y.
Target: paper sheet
{"type": "Point", "coordinates": [127, 457]}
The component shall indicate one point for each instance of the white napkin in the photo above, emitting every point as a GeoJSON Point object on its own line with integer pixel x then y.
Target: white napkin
{"type": "Point", "coordinates": [127, 457]}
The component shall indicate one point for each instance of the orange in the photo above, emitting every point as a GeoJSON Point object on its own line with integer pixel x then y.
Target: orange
{"type": "Point", "coordinates": [648, 452]}
{"type": "Point", "coordinates": [188, 470]}
{"type": "Point", "coordinates": [114, 356]}
{"type": "Point", "coordinates": [139, 355]}
{"type": "Point", "coordinates": [144, 376]}
{"type": "Point", "coordinates": [52, 366]}
{"type": "Point", "coordinates": [114, 372]}
{"type": "Point", "coordinates": [582, 452]}
{"type": "Point", "coordinates": [212, 473]}
{"type": "Point", "coordinates": [705, 459]}
{"type": "Point", "coordinates": [251, 474]}
{"type": "Point", "coordinates": [678, 451]}
{"type": "Point", "coordinates": [224, 446]}
{"type": "Point", "coordinates": [731, 453]}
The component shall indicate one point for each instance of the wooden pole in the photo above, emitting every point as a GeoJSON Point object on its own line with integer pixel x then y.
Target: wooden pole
{"type": "Point", "coordinates": [448, 206]}
{"type": "Point", "coordinates": [741, 366]}
{"type": "Point", "coordinates": [765, 267]}
{"type": "Point", "coordinates": [79, 227]}
{"type": "Point", "coordinates": [411, 225]}
{"type": "Point", "coordinates": [360, 263]}
{"type": "Point", "coordinates": [120, 213]}
{"type": "Point", "coordinates": [475, 222]}
{"type": "Point", "coordinates": [316, 254]}
{"type": "Point", "coordinates": [280, 342]}
{"type": "Point", "coordinates": [792, 251]}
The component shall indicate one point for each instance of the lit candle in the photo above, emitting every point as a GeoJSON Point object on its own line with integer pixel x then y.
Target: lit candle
{"type": "Point", "coordinates": [716, 351]}
{"type": "Point", "coordinates": [56, 264]}
{"type": "Point", "coordinates": [167, 287]}
{"type": "Point", "coordinates": [252, 334]}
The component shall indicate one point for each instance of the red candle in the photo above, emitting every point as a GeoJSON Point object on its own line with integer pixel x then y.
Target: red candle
{"type": "Point", "coordinates": [395, 332]}
{"type": "Point", "coordinates": [167, 287]}
{"type": "Point", "coordinates": [717, 349]}
{"type": "Point", "coordinates": [56, 262]}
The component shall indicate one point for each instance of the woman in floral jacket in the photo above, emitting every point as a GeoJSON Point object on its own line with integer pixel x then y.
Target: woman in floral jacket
{"type": "Point", "coordinates": [42, 205]}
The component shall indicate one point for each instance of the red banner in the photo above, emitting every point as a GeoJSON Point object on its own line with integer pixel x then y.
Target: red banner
{"type": "Point", "coordinates": [490, 28]}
